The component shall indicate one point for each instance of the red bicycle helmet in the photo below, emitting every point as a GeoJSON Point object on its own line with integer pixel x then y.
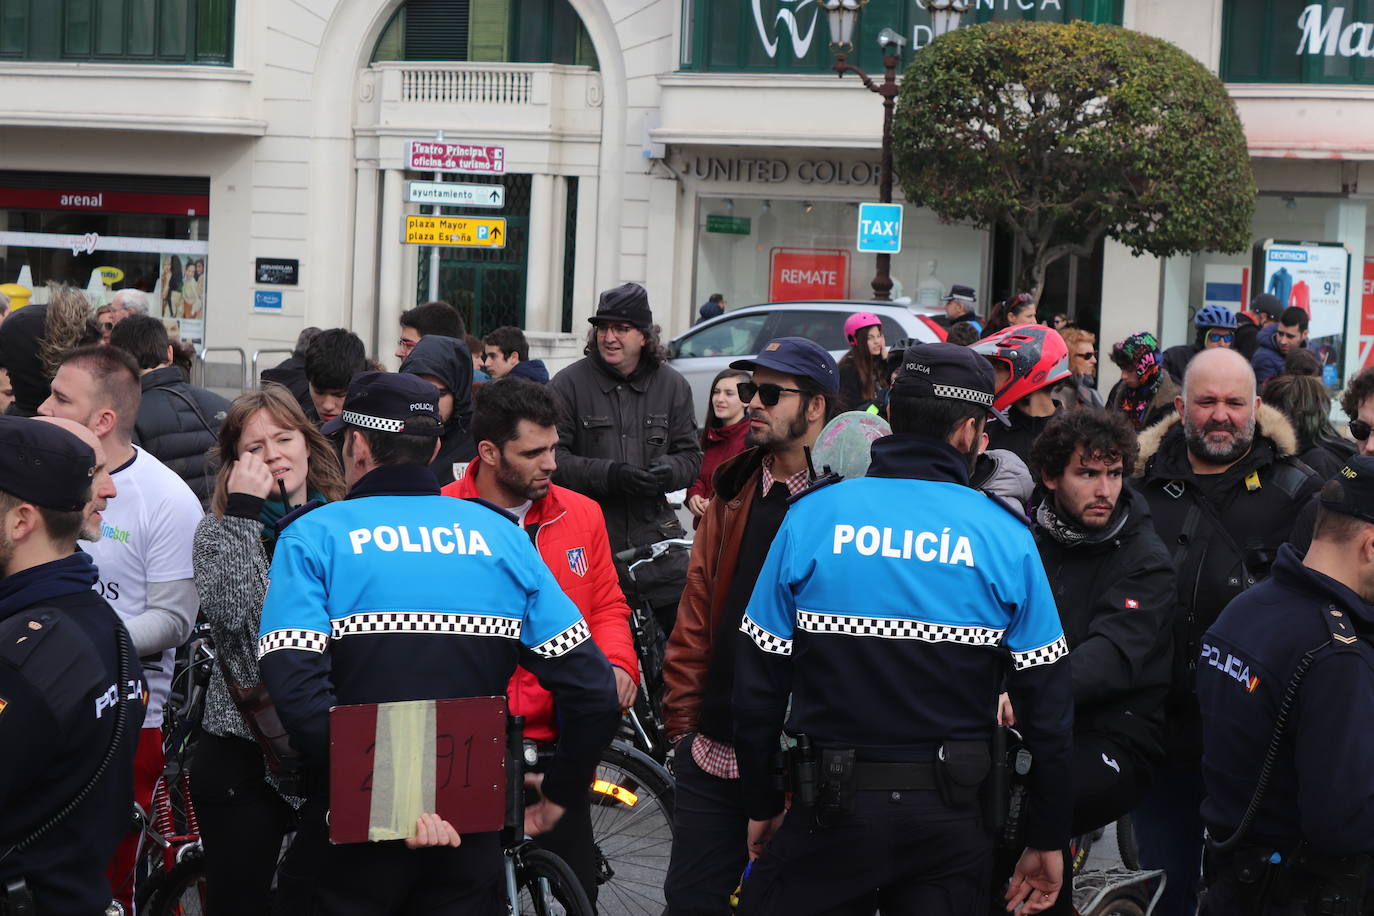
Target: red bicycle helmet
{"type": "Point", "coordinates": [1035, 355]}
{"type": "Point", "coordinates": [857, 322]}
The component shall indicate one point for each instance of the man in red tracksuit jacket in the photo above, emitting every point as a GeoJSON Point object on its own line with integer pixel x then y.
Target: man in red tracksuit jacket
{"type": "Point", "coordinates": [515, 426]}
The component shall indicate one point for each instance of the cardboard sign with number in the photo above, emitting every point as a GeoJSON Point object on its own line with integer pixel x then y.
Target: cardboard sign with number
{"type": "Point", "coordinates": [391, 762]}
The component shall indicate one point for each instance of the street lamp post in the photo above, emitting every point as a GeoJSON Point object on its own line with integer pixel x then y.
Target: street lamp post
{"type": "Point", "coordinates": [843, 17]}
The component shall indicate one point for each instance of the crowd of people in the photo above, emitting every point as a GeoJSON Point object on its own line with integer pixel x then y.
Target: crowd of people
{"type": "Point", "coordinates": [1157, 571]}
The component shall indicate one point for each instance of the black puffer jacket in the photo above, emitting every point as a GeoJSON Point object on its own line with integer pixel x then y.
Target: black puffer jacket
{"type": "Point", "coordinates": [1223, 533]}
{"type": "Point", "coordinates": [291, 374]}
{"type": "Point", "coordinates": [179, 423]}
{"type": "Point", "coordinates": [1117, 602]}
{"type": "Point", "coordinates": [449, 360]}
{"type": "Point", "coordinates": [608, 419]}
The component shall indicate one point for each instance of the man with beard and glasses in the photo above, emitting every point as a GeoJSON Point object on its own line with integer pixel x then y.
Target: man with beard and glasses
{"type": "Point", "coordinates": [1224, 488]}
{"type": "Point", "coordinates": [793, 394]}
{"type": "Point", "coordinates": [516, 428]}
{"type": "Point", "coordinates": [71, 689]}
{"type": "Point", "coordinates": [889, 609]}
{"type": "Point", "coordinates": [1114, 586]}
{"type": "Point", "coordinates": [627, 436]}
{"type": "Point", "coordinates": [1306, 848]}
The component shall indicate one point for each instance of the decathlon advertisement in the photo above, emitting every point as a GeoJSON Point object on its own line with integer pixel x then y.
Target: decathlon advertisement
{"type": "Point", "coordinates": [1315, 277]}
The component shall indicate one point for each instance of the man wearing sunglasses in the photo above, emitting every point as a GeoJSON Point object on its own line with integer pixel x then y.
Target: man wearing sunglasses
{"type": "Point", "coordinates": [890, 608]}
{"type": "Point", "coordinates": [1216, 327]}
{"type": "Point", "coordinates": [793, 393]}
{"type": "Point", "coordinates": [628, 435]}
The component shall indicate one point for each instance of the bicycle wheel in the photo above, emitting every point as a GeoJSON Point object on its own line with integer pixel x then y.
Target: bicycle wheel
{"type": "Point", "coordinates": [632, 826]}
{"type": "Point", "coordinates": [182, 892]}
{"type": "Point", "coordinates": [547, 886]}
{"type": "Point", "coordinates": [1126, 844]}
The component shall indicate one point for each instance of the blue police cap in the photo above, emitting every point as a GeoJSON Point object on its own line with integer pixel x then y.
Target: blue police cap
{"type": "Point", "coordinates": [1351, 490]}
{"type": "Point", "coordinates": [797, 357]}
{"type": "Point", "coordinates": [945, 370]}
{"type": "Point", "coordinates": [389, 402]}
{"type": "Point", "coordinates": [44, 464]}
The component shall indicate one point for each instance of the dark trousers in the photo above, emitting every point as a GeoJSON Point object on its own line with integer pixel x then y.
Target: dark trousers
{"type": "Point", "coordinates": [242, 823]}
{"type": "Point", "coordinates": [379, 879]}
{"type": "Point", "coordinates": [903, 853]}
{"type": "Point", "coordinates": [571, 840]}
{"type": "Point", "coordinates": [710, 838]}
{"type": "Point", "coordinates": [1168, 827]}
{"type": "Point", "coordinates": [1108, 781]}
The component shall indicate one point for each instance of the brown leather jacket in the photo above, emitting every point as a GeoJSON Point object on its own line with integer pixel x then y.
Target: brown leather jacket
{"type": "Point", "coordinates": [712, 568]}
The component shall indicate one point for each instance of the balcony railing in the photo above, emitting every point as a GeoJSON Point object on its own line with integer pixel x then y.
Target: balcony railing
{"type": "Point", "coordinates": [481, 87]}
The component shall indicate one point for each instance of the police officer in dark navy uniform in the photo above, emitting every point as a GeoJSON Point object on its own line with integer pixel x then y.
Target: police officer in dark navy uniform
{"type": "Point", "coordinates": [886, 609]}
{"type": "Point", "coordinates": [71, 689]}
{"type": "Point", "coordinates": [1292, 657]}
{"type": "Point", "coordinates": [398, 593]}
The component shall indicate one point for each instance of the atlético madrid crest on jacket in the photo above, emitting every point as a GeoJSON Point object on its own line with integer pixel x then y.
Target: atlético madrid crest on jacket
{"type": "Point", "coordinates": [577, 561]}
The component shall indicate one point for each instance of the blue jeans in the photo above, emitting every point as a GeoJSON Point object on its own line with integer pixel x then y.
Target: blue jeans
{"type": "Point", "coordinates": [1168, 827]}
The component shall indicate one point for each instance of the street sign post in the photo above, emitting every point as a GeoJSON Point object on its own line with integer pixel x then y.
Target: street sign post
{"type": "Point", "coordinates": [455, 194]}
{"type": "Point", "coordinates": [880, 228]}
{"type": "Point", "coordinates": [440, 156]}
{"type": "Point", "coordinates": [456, 231]}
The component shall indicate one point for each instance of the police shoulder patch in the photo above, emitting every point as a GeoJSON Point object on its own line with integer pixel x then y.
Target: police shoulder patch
{"type": "Point", "coordinates": [1344, 634]}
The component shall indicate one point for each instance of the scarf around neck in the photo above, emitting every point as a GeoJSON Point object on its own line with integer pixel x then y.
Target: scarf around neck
{"type": "Point", "coordinates": [67, 576]}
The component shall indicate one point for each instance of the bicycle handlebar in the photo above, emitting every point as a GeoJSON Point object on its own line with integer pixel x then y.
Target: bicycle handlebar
{"type": "Point", "coordinates": [650, 551]}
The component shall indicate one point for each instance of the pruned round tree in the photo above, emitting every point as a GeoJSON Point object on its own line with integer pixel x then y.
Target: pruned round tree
{"type": "Point", "coordinates": [1064, 133]}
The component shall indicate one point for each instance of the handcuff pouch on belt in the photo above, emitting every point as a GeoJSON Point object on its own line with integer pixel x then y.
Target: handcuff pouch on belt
{"type": "Point", "coordinates": [961, 769]}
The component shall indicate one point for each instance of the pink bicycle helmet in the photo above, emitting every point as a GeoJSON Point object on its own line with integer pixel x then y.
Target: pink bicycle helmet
{"type": "Point", "coordinates": [1035, 355]}
{"type": "Point", "coordinates": [856, 323]}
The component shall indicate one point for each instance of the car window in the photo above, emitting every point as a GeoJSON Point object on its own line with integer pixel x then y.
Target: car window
{"type": "Point", "coordinates": [893, 333]}
{"type": "Point", "coordinates": [823, 326]}
{"type": "Point", "coordinates": [731, 337]}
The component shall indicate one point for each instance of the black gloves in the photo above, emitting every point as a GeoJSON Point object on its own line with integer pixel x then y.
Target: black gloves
{"type": "Point", "coordinates": [664, 475]}
{"type": "Point", "coordinates": [635, 481]}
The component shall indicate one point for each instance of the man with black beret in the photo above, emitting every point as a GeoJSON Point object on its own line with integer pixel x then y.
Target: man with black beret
{"type": "Point", "coordinates": [395, 594]}
{"type": "Point", "coordinates": [71, 689]}
{"type": "Point", "coordinates": [1299, 640]}
{"type": "Point", "coordinates": [627, 436]}
{"type": "Point", "coordinates": [880, 611]}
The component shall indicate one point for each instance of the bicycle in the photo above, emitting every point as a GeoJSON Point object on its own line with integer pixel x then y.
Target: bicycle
{"type": "Point", "coordinates": [170, 872]}
{"type": "Point", "coordinates": [1114, 890]}
{"type": "Point", "coordinates": [632, 827]}
{"type": "Point", "coordinates": [646, 727]}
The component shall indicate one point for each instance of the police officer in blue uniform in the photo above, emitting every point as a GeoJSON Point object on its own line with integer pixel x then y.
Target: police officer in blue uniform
{"type": "Point", "coordinates": [1298, 641]}
{"type": "Point", "coordinates": [71, 689]}
{"type": "Point", "coordinates": [398, 593]}
{"type": "Point", "coordinates": [886, 609]}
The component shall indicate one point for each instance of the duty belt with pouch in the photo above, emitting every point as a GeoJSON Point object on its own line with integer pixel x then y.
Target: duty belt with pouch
{"type": "Point", "coordinates": [1304, 883]}
{"type": "Point", "coordinates": [828, 778]}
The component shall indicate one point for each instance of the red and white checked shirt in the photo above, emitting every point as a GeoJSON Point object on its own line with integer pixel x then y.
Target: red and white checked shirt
{"type": "Point", "coordinates": [717, 757]}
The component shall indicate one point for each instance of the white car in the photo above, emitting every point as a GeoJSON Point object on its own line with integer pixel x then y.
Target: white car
{"type": "Point", "coordinates": [706, 348]}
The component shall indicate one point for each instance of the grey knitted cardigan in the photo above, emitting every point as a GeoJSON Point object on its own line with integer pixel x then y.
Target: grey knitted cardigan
{"type": "Point", "coordinates": [231, 577]}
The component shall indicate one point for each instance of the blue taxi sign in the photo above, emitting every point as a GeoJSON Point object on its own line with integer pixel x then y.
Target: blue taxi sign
{"type": "Point", "coordinates": [880, 228]}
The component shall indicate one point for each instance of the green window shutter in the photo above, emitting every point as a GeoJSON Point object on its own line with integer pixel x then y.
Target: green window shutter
{"type": "Point", "coordinates": [171, 28]}
{"type": "Point", "coordinates": [14, 27]}
{"type": "Point", "coordinates": [488, 30]}
{"type": "Point", "coordinates": [76, 35]}
{"type": "Point", "coordinates": [141, 27]}
{"type": "Point", "coordinates": [436, 30]}
{"type": "Point", "coordinates": [214, 30]}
